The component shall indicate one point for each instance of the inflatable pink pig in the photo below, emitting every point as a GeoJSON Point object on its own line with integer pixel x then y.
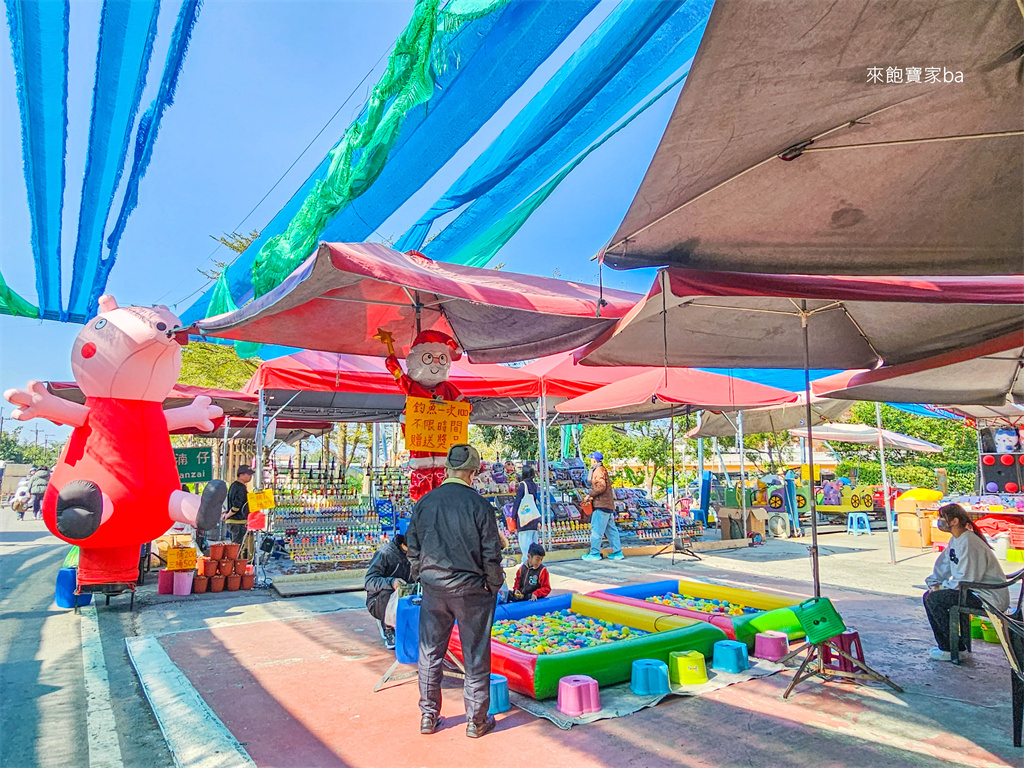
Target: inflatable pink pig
{"type": "Point", "coordinates": [116, 485]}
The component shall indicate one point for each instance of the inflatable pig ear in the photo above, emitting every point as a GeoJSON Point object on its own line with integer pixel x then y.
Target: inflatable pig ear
{"type": "Point", "coordinates": [107, 303]}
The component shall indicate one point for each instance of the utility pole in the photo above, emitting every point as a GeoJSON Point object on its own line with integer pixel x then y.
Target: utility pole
{"type": "Point", "coordinates": [37, 436]}
{"type": "Point", "coordinates": [1, 420]}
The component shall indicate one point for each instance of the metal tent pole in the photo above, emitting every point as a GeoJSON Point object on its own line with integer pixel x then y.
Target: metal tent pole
{"type": "Point", "coordinates": [672, 486]}
{"type": "Point", "coordinates": [743, 472]}
{"type": "Point", "coordinates": [261, 415]}
{"type": "Point", "coordinates": [224, 450]}
{"type": "Point", "coordinates": [885, 483]}
{"type": "Point", "coordinates": [815, 573]}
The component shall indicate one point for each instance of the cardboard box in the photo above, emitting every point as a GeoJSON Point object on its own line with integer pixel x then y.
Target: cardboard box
{"type": "Point", "coordinates": [757, 520]}
{"type": "Point", "coordinates": [915, 530]}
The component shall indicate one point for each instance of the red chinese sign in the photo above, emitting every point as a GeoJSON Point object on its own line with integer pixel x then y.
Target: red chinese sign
{"type": "Point", "coordinates": [435, 425]}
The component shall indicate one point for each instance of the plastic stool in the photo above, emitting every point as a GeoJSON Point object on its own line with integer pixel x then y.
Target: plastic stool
{"type": "Point", "coordinates": [858, 523]}
{"type": "Point", "coordinates": [650, 677]}
{"type": "Point", "coordinates": [849, 642]}
{"type": "Point", "coordinates": [67, 582]}
{"type": "Point", "coordinates": [730, 656]}
{"type": "Point", "coordinates": [578, 695]}
{"type": "Point", "coordinates": [771, 645]}
{"type": "Point", "coordinates": [688, 667]}
{"type": "Point", "coordinates": [499, 695]}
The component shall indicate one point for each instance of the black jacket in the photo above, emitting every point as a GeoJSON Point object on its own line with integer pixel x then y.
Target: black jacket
{"type": "Point", "coordinates": [238, 501]}
{"type": "Point", "coordinates": [453, 541]}
{"type": "Point", "coordinates": [388, 564]}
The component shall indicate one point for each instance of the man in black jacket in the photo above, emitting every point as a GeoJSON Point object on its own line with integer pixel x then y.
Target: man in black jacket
{"type": "Point", "coordinates": [388, 570]}
{"type": "Point", "coordinates": [455, 552]}
{"type": "Point", "coordinates": [237, 514]}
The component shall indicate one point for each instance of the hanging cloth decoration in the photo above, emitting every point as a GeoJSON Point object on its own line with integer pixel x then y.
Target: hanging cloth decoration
{"type": "Point", "coordinates": [127, 31]}
{"type": "Point", "coordinates": [39, 47]}
{"type": "Point", "coordinates": [145, 137]}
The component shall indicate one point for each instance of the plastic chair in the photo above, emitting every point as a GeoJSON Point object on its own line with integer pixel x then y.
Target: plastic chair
{"type": "Point", "coordinates": [499, 695]}
{"type": "Point", "coordinates": [858, 523]}
{"type": "Point", "coordinates": [1011, 637]}
{"type": "Point", "coordinates": [649, 677]}
{"type": "Point", "coordinates": [959, 614]}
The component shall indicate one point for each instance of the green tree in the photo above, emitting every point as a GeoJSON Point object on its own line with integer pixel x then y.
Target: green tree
{"type": "Point", "coordinates": [513, 442]}
{"type": "Point", "coordinates": [215, 365]}
{"type": "Point", "coordinates": [16, 450]}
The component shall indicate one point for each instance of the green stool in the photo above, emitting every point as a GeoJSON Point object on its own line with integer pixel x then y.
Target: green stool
{"type": "Point", "coordinates": [687, 668]}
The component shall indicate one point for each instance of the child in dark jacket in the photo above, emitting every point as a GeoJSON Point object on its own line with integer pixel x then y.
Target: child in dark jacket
{"type": "Point", "coordinates": [532, 582]}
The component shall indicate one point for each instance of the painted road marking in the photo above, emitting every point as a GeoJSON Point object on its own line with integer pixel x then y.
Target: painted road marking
{"type": "Point", "coordinates": [195, 735]}
{"type": "Point", "coordinates": [104, 747]}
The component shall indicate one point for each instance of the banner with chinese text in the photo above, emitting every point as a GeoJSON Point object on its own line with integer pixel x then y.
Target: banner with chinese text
{"type": "Point", "coordinates": [433, 425]}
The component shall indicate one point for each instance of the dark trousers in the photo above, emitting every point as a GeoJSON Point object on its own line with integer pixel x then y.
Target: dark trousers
{"type": "Point", "coordinates": [378, 604]}
{"type": "Point", "coordinates": [438, 614]}
{"type": "Point", "coordinates": [37, 505]}
{"type": "Point", "coordinates": [236, 530]}
{"type": "Point", "coordinates": [937, 605]}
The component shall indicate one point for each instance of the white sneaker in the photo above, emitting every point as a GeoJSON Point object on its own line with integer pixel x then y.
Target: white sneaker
{"type": "Point", "coordinates": [936, 655]}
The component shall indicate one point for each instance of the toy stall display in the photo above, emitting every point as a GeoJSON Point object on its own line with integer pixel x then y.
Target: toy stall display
{"type": "Point", "coordinates": [116, 485]}
{"type": "Point", "coordinates": [740, 613]}
{"type": "Point", "coordinates": [1001, 460]}
{"type": "Point", "coordinates": [535, 644]}
{"type": "Point", "coordinates": [390, 489]}
{"type": "Point", "coordinates": [319, 517]}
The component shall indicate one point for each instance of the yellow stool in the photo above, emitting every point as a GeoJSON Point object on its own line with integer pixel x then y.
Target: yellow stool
{"type": "Point", "coordinates": [687, 668]}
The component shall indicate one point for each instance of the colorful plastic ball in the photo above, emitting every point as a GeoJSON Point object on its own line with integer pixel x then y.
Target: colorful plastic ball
{"type": "Point", "coordinates": [991, 487]}
{"type": "Point", "coordinates": [1006, 459]}
{"type": "Point", "coordinates": [988, 461]}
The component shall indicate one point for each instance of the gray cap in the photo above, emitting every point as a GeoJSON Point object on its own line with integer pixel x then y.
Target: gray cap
{"type": "Point", "coordinates": [463, 456]}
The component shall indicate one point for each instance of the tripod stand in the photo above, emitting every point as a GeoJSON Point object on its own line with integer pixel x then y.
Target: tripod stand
{"type": "Point", "coordinates": [814, 665]}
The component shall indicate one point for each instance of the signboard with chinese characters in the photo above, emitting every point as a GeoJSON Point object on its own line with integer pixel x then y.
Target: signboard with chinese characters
{"type": "Point", "coordinates": [260, 500]}
{"type": "Point", "coordinates": [434, 426]}
{"type": "Point", "coordinates": [195, 465]}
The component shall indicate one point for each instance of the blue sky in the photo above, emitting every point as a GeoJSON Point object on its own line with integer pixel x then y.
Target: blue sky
{"type": "Point", "coordinates": [260, 80]}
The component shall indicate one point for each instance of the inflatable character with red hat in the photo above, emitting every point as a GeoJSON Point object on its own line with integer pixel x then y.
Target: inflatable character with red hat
{"type": "Point", "coordinates": [429, 361]}
{"type": "Point", "coordinates": [116, 485]}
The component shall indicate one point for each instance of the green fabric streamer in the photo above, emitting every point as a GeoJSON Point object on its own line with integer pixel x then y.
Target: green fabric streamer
{"type": "Point", "coordinates": [12, 304]}
{"type": "Point", "coordinates": [221, 301]}
{"type": "Point", "coordinates": [358, 159]}
{"type": "Point", "coordinates": [481, 250]}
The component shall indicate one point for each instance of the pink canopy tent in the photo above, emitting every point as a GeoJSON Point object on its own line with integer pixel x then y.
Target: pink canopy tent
{"type": "Point", "coordinates": [652, 394]}
{"type": "Point", "coordinates": [338, 298]}
{"type": "Point", "coordinates": [233, 403]}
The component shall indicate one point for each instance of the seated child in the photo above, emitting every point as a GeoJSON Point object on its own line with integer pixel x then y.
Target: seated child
{"type": "Point", "coordinates": [532, 582]}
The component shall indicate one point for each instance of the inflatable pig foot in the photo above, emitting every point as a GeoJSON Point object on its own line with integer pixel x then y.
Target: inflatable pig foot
{"type": "Point", "coordinates": [211, 504]}
{"type": "Point", "coordinates": [79, 509]}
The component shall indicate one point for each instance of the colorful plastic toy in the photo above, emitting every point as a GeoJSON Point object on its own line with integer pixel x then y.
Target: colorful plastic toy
{"type": "Point", "coordinates": [578, 695]}
{"type": "Point", "coordinates": [499, 695]}
{"type": "Point", "coordinates": [771, 645]}
{"type": "Point", "coordinates": [760, 611]}
{"type": "Point", "coordinates": [689, 667]}
{"type": "Point", "coordinates": [730, 656]}
{"type": "Point", "coordinates": [650, 677]}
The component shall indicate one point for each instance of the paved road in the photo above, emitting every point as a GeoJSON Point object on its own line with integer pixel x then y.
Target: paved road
{"type": "Point", "coordinates": [42, 679]}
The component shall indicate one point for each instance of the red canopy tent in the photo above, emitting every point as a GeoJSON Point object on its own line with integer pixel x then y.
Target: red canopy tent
{"type": "Point", "coordinates": [338, 298]}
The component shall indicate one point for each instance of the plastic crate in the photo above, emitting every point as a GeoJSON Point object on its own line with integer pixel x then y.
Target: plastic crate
{"type": "Point", "coordinates": [1015, 555]}
{"type": "Point", "coordinates": [1017, 536]}
{"type": "Point", "coordinates": [819, 619]}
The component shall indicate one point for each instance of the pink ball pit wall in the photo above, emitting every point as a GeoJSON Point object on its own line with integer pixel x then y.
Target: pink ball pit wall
{"type": "Point", "coordinates": [776, 610]}
{"type": "Point", "coordinates": [537, 675]}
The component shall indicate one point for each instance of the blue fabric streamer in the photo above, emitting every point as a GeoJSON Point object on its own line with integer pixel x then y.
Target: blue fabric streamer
{"type": "Point", "coordinates": [39, 47]}
{"type": "Point", "coordinates": [127, 31]}
{"type": "Point", "coordinates": [145, 136]}
{"type": "Point", "coordinates": [487, 61]}
{"type": "Point", "coordinates": [621, 73]}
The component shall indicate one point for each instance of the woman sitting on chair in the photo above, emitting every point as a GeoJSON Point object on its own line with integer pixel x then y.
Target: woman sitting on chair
{"type": "Point", "coordinates": [966, 558]}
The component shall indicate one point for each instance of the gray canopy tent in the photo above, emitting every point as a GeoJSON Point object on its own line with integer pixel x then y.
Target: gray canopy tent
{"type": "Point", "coordinates": [828, 142]}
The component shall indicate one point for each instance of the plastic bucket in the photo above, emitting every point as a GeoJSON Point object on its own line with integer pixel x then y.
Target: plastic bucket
{"type": "Point", "coordinates": [183, 582]}
{"type": "Point", "coordinates": [165, 582]}
{"type": "Point", "coordinates": [231, 551]}
{"type": "Point", "coordinates": [988, 632]}
{"type": "Point", "coordinates": [216, 583]}
{"type": "Point", "coordinates": [225, 567]}
{"type": "Point", "coordinates": [248, 580]}
{"type": "Point", "coordinates": [240, 566]}
{"type": "Point", "coordinates": [234, 581]}
{"type": "Point", "coordinates": [64, 592]}
{"type": "Point", "coordinates": [217, 551]}
{"type": "Point", "coordinates": [199, 584]}
{"type": "Point", "coordinates": [209, 567]}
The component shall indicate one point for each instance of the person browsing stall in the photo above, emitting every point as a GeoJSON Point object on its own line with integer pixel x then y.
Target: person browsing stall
{"type": "Point", "coordinates": [455, 553]}
{"type": "Point", "coordinates": [238, 504]}
{"type": "Point", "coordinates": [388, 571]}
{"type": "Point", "coordinates": [966, 558]}
{"type": "Point", "coordinates": [532, 579]}
{"type": "Point", "coordinates": [602, 521]}
{"type": "Point", "coordinates": [526, 517]}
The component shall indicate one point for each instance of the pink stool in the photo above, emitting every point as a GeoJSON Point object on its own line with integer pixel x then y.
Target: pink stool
{"type": "Point", "coordinates": [771, 645]}
{"type": "Point", "coordinates": [848, 641]}
{"type": "Point", "coordinates": [578, 695]}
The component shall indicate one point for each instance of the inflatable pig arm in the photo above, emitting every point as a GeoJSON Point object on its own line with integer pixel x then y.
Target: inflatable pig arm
{"type": "Point", "coordinates": [199, 413]}
{"type": "Point", "coordinates": [38, 402]}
